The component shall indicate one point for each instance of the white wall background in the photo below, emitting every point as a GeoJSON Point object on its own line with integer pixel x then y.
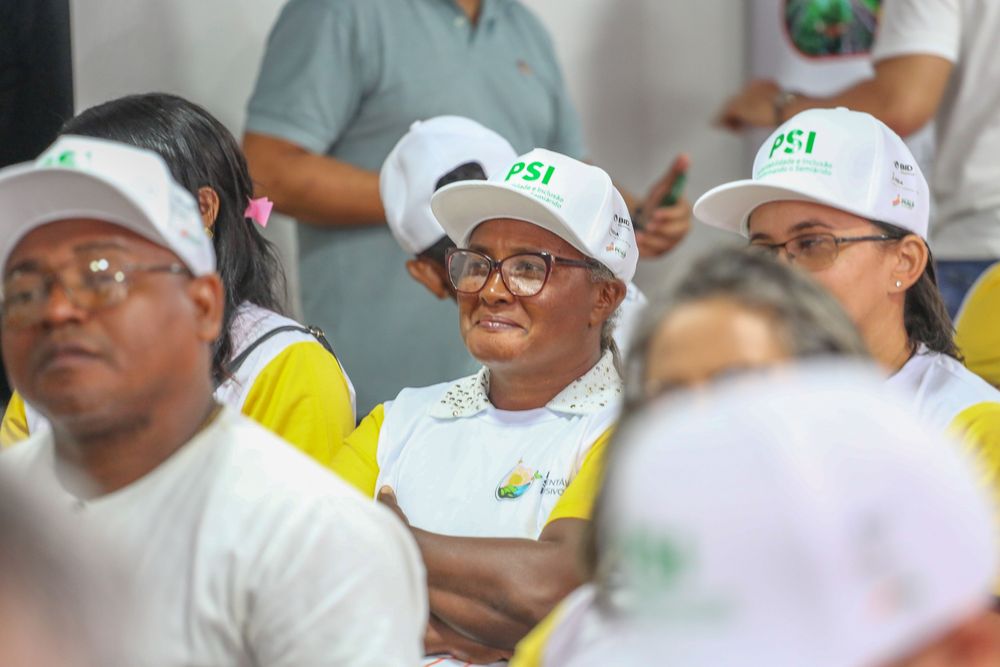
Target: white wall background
{"type": "Point", "coordinates": [647, 76]}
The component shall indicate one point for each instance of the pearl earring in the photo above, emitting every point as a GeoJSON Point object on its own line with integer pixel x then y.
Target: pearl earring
{"type": "Point", "coordinates": [899, 283]}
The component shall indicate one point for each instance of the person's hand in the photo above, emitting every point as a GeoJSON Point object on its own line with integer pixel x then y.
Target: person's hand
{"type": "Point", "coordinates": [660, 228]}
{"type": "Point", "coordinates": [442, 639]}
{"type": "Point", "coordinates": [387, 496]}
{"type": "Point", "coordinates": [751, 107]}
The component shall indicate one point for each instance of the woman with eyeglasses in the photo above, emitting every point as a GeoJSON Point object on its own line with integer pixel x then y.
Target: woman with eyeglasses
{"type": "Point", "coordinates": [266, 365]}
{"type": "Point", "coordinates": [837, 193]}
{"type": "Point", "coordinates": [490, 471]}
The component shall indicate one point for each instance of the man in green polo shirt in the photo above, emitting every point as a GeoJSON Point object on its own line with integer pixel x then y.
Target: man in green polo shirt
{"type": "Point", "coordinates": [341, 82]}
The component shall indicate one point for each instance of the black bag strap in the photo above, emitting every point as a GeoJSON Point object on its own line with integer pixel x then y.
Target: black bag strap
{"type": "Point", "coordinates": [315, 332]}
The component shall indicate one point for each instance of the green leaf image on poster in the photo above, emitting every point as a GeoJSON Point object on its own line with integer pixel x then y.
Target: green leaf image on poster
{"type": "Point", "coordinates": [824, 28]}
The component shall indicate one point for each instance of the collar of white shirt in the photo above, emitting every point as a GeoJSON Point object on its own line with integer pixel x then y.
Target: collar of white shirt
{"type": "Point", "coordinates": [592, 391]}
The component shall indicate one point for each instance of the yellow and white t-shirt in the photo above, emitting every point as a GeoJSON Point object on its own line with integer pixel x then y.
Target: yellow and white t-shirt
{"type": "Point", "coordinates": [290, 384]}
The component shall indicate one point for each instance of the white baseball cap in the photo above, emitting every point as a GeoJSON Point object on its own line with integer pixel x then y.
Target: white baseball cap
{"type": "Point", "coordinates": [807, 518]}
{"type": "Point", "coordinates": [573, 200]}
{"type": "Point", "coordinates": [82, 177]}
{"type": "Point", "coordinates": [840, 158]}
{"type": "Point", "coordinates": [410, 174]}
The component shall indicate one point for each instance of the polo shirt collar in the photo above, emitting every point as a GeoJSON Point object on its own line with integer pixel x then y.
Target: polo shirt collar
{"type": "Point", "coordinates": [589, 393]}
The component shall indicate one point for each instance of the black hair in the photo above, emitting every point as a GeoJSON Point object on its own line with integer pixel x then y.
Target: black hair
{"type": "Point", "coordinates": [924, 314]}
{"type": "Point", "coordinates": [467, 171]}
{"type": "Point", "coordinates": [200, 152]}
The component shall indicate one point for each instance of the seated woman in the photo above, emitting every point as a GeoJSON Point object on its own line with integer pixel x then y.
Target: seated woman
{"type": "Point", "coordinates": [487, 470]}
{"type": "Point", "coordinates": [838, 194]}
{"type": "Point", "coordinates": [734, 312]}
{"type": "Point", "coordinates": [271, 368]}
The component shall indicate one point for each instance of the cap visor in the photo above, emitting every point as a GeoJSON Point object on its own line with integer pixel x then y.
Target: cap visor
{"type": "Point", "coordinates": [461, 207]}
{"type": "Point", "coordinates": [32, 197]}
{"type": "Point", "coordinates": [729, 206]}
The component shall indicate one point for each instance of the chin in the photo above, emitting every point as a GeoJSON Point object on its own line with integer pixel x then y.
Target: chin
{"type": "Point", "coordinates": [491, 353]}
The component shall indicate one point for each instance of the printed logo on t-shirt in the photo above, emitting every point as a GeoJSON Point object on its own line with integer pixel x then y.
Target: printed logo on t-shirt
{"type": "Point", "coordinates": [516, 482]}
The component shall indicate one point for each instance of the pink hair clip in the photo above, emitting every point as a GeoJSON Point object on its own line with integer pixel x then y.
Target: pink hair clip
{"type": "Point", "coordinates": [259, 210]}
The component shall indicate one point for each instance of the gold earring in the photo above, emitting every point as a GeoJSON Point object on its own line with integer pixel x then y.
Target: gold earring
{"type": "Point", "coordinates": [211, 233]}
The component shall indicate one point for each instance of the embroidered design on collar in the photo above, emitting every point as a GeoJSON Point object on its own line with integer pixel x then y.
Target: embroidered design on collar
{"type": "Point", "coordinates": [592, 391]}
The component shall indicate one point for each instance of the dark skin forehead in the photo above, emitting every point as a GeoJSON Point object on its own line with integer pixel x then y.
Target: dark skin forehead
{"type": "Point", "coordinates": [57, 242]}
{"type": "Point", "coordinates": [510, 237]}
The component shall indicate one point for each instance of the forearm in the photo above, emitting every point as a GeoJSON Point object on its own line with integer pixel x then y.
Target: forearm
{"type": "Point", "coordinates": [891, 95]}
{"type": "Point", "coordinates": [313, 188]}
{"type": "Point", "coordinates": [517, 580]}
{"type": "Point", "coordinates": [475, 621]}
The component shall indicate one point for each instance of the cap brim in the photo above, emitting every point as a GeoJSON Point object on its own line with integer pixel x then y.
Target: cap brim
{"type": "Point", "coordinates": [32, 197]}
{"type": "Point", "coordinates": [729, 206]}
{"type": "Point", "coordinates": [463, 206]}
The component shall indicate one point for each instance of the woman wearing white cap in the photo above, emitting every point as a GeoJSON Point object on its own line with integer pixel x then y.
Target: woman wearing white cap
{"type": "Point", "coordinates": [486, 469]}
{"type": "Point", "coordinates": [838, 194]}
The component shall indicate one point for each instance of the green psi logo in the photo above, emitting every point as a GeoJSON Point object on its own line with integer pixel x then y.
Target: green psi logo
{"type": "Point", "coordinates": [63, 159]}
{"type": "Point", "coordinates": [792, 142]}
{"type": "Point", "coordinates": [531, 171]}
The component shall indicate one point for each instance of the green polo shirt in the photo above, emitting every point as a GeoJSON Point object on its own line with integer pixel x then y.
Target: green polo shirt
{"type": "Point", "coordinates": [347, 78]}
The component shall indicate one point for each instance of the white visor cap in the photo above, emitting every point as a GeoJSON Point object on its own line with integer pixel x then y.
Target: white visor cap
{"type": "Point", "coordinates": [574, 200]}
{"type": "Point", "coordinates": [82, 177]}
{"type": "Point", "coordinates": [839, 158]}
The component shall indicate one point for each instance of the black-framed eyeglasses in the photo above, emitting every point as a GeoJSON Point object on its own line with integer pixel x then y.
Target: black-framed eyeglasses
{"type": "Point", "coordinates": [815, 252]}
{"type": "Point", "coordinates": [96, 280]}
{"type": "Point", "coordinates": [524, 274]}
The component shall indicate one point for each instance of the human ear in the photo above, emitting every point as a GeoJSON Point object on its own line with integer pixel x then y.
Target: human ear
{"type": "Point", "coordinates": [207, 296]}
{"type": "Point", "coordinates": [208, 206]}
{"type": "Point", "coordinates": [910, 260]}
{"type": "Point", "coordinates": [610, 294]}
{"type": "Point", "coordinates": [430, 276]}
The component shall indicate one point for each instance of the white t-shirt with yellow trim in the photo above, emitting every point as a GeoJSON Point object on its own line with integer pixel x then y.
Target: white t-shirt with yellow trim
{"type": "Point", "coordinates": [248, 553]}
{"type": "Point", "coordinates": [290, 384]}
{"type": "Point", "coordinates": [462, 467]}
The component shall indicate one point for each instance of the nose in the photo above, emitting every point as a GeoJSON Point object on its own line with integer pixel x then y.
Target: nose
{"type": "Point", "coordinates": [495, 290]}
{"type": "Point", "coordinates": [58, 306]}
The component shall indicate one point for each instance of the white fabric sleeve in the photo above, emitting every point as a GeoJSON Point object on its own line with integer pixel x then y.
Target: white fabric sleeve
{"type": "Point", "coordinates": [919, 27]}
{"type": "Point", "coordinates": [342, 585]}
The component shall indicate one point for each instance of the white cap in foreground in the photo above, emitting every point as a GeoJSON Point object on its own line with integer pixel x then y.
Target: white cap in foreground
{"type": "Point", "coordinates": [843, 159]}
{"type": "Point", "coordinates": [82, 177]}
{"type": "Point", "coordinates": [807, 519]}
{"type": "Point", "coordinates": [410, 174]}
{"type": "Point", "coordinates": [575, 201]}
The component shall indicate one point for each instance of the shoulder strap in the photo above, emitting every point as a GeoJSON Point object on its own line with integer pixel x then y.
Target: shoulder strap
{"type": "Point", "coordinates": [315, 332]}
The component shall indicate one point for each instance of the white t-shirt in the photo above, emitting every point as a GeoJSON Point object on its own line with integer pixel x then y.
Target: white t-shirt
{"type": "Point", "coordinates": [629, 316]}
{"type": "Point", "coordinates": [941, 387]}
{"type": "Point", "coordinates": [249, 554]}
{"type": "Point", "coordinates": [966, 175]}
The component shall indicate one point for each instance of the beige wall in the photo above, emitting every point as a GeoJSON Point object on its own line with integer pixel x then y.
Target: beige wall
{"type": "Point", "coordinates": [646, 75]}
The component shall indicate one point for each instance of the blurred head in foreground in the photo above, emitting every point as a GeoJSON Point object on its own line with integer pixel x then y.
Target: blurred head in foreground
{"type": "Point", "coordinates": [735, 311]}
{"type": "Point", "coordinates": [808, 519]}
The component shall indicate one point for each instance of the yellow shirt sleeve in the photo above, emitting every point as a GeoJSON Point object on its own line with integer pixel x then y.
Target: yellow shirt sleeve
{"type": "Point", "coordinates": [14, 427]}
{"type": "Point", "coordinates": [978, 427]}
{"type": "Point", "coordinates": [577, 501]}
{"type": "Point", "coordinates": [530, 651]}
{"type": "Point", "coordinates": [303, 396]}
{"type": "Point", "coordinates": [977, 329]}
{"type": "Point", "coordinates": [357, 460]}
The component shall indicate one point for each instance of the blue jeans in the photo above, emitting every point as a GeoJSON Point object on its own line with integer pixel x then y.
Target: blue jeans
{"type": "Point", "coordinates": [955, 278]}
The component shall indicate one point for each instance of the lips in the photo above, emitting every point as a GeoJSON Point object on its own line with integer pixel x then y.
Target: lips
{"type": "Point", "coordinates": [64, 354]}
{"type": "Point", "coordinates": [497, 324]}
